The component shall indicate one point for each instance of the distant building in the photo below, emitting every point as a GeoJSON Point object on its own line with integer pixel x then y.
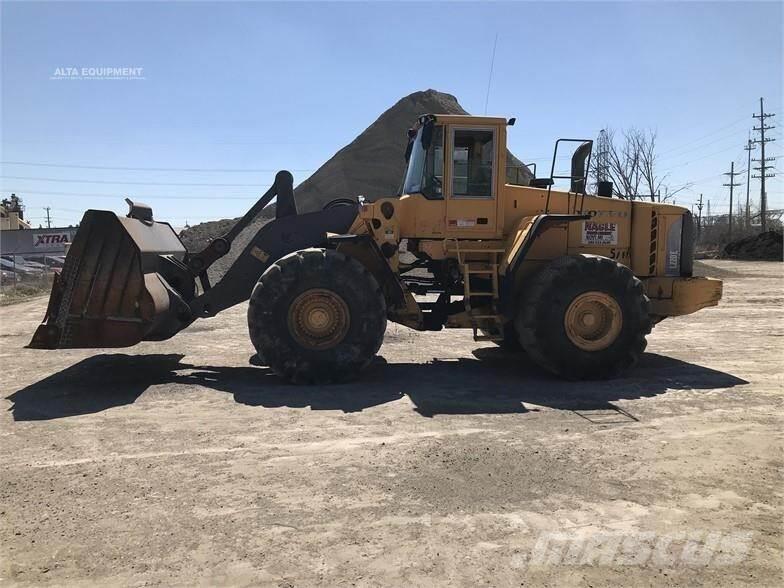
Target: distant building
{"type": "Point", "coordinates": [36, 242]}
{"type": "Point", "coordinates": [12, 214]}
{"type": "Point", "coordinates": [18, 238]}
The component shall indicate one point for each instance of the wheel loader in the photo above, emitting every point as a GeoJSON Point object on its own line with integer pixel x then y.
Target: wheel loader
{"type": "Point", "coordinates": [574, 280]}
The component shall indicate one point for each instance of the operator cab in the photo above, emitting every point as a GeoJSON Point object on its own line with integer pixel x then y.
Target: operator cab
{"type": "Point", "coordinates": [471, 147]}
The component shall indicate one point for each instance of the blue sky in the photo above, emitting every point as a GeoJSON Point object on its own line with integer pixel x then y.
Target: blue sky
{"type": "Point", "coordinates": [265, 86]}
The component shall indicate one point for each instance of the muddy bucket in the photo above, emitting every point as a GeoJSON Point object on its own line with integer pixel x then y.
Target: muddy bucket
{"type": "Point", "coordinates": [123, 281]}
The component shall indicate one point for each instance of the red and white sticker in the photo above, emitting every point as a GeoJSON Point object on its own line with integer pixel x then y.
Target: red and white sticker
{"type": "Point", "coordinates": [600, 233]}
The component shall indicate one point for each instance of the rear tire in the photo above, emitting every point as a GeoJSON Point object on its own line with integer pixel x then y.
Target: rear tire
{"type": "Point", "coordinates": [317, 316]}
{"type": "Point", "coordinates": [584, 317]}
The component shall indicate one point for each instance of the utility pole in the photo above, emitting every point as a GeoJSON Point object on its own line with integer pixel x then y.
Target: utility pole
{"type": "Point", "coordinates": [763, 167]}
{"type": "Point", "coordinates": [48, 218]}
{"type": "Point", "coordinates": [749, 147]}
{"type": "Point", "coordinates": [732, 184]}
{"type": "Point", "coordinates": [699, 218]}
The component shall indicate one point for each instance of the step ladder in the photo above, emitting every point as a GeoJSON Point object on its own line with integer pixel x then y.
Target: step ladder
{"type": "Point", "coordinates": [481, 320]}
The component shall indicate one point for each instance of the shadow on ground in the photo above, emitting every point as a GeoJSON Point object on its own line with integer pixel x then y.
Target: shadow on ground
{"type": "Point", "coordinates": [493, 382]}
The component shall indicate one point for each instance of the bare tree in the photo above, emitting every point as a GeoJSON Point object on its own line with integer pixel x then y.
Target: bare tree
{"type": "Point", "coordinates": [646, 147]}
{"type": "Point", "coordinates": [632, 167]}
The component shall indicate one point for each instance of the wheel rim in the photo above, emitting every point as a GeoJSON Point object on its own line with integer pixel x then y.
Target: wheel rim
{"type": "Point", "coordinates": [593, 321]}
{"type": "Point", "coordinates": [318, 319]}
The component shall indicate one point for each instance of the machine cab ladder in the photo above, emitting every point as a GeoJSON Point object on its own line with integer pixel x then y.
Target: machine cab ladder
{"type": "Point", "coordinates": [483, 266]}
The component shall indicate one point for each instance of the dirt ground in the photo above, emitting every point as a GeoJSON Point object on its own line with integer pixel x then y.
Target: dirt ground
{"type": "Point", "coordinates": [449, 463]}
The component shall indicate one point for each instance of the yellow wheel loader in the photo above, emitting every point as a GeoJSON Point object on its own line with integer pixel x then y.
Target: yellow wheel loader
{"type": "Point", "coordinates": [575, 281]}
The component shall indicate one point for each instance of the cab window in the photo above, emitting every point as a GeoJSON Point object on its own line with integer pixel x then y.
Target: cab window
{"type": "Point", "coordinates": [473, 151]}
{"type": "Point", "coordinates": [425, 169]}
{"type": "Point", "coordinates": [433, 178]}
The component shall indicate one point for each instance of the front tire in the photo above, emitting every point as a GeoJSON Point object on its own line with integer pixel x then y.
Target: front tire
{"type": "Point", "coordinates": [317, 317]}
{"type": "Point", "coordinates": [584, 317]}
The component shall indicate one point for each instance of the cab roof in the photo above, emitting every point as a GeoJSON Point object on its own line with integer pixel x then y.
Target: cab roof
{"type": "Point", "coordinates": [467, 119]}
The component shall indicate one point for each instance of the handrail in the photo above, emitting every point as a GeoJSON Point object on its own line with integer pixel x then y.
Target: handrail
{"type": "Point", "coordinates": [571, 177]}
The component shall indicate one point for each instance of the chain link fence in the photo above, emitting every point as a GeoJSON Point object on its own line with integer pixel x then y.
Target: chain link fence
{"type": "Point", "coordinates": [24, 276]}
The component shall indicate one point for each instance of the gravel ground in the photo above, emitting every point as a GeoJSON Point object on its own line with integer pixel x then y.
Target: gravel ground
{"type": "Point", "coordinates": [449, 463]}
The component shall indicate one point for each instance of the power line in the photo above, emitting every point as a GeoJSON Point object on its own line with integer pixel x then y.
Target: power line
{"type": "Point", "coordinates": [681, 151]}
{"type": "Point", "coordinates": [143, 196]}
{"type": "Point", "coordinates": [84, 140]}
{"type": "Point", "coordinates": [152, 169]}
{"type": "Point", "coordinates": [67, 210]}
{"type": "Point", "coordinates": [700, 158]}
{"type": "Point", "coordinates": [732, 124]}
{"type": "Point", "coordinates": [65, 180]}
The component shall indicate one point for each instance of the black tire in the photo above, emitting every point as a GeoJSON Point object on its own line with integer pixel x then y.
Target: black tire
{"type": "Point", "coordinates": [354, 301]}
{"type": "Point", "coordinates": [511, 341]}
{"type": "Point", "coordinates": [548, 300]}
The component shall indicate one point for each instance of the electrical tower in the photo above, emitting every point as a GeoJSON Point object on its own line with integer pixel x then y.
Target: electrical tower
{"type": "Point", "coordinates": [763, 161]}
{"type": "Point", "coordinates": [48, 218]}
{"type": "Point", "coordinates": [749, 147]}
{"type": "Point", "coordinates": [699, 218]}
{"type": "Point", "coordinates": [603, 157]}
{"type": "Point", "coordinates": [604, 186]}
{"type": "Point", "coordinates": [731, 184]}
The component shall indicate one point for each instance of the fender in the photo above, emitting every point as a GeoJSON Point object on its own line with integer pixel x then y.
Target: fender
{"type": "Point", "coordinates": [365, 249]}
{"type": "Point", "coordinates": [531, 227]}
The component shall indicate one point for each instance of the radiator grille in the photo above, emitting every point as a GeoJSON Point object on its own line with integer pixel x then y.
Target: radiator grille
{"type": "Point", "coordinates": [654, 243]}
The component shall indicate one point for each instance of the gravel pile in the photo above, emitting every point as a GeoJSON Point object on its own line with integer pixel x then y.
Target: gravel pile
{"type": "Point", "coordinates": [198, 236]}
{"type": "Point", "coordinates": [766, 246]}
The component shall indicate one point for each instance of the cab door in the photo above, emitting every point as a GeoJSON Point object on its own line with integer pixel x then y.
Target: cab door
{"type": "Point", "coordinates": [471, 188]}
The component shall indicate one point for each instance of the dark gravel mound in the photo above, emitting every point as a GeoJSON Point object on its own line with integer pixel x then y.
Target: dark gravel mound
{"type": "Point", "coordinates": [766, 246]}
{"type": "Point", "coordinates": [198, 236]}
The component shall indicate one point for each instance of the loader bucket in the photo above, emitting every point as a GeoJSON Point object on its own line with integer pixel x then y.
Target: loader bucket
{"type": "Point", "coordinates": [112, 291]}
